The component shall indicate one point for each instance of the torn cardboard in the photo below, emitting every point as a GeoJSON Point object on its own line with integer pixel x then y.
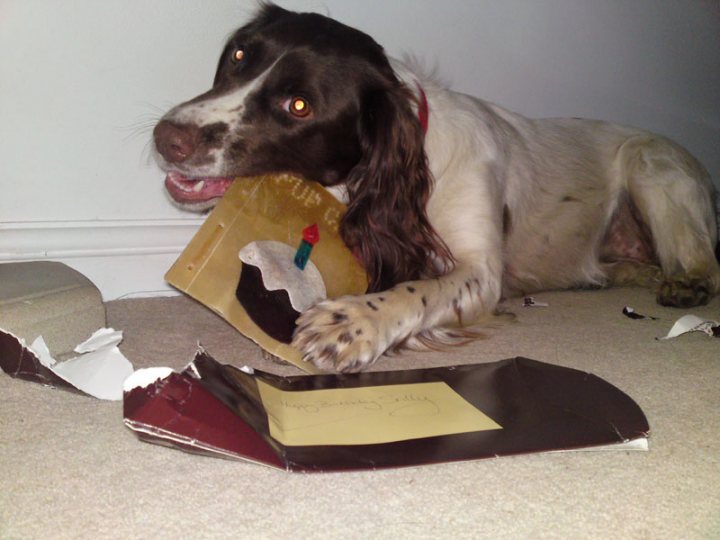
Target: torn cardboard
{"type": "Point", "coordinates": [692, 323]}
{"type": "Point", "coordinates": [269, 208]}
{"type": "Point", "coordinates": [630, 313]}
{"type": "Point", "coordinates": [98, 370]}
{"type": "Point", "coordinates": [315, 423]}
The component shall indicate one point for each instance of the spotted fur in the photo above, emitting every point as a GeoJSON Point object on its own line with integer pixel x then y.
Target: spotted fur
{"type": "Point", "coordinates": [485, 204]}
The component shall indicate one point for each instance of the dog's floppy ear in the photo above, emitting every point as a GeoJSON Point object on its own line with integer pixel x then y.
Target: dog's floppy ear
{"type": "Point", "coordinates": [386, 222]}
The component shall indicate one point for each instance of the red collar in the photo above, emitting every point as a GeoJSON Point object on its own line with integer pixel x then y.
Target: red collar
{"type": "Point", "coordinates": [423, 109]}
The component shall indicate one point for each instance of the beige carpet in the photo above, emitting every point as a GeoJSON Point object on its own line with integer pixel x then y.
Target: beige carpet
{"type": "Point", "coordinates": [70, 469]}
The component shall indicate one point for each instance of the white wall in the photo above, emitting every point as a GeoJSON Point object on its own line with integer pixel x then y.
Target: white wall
{"type": "Point", "coordinates": [81, 83]}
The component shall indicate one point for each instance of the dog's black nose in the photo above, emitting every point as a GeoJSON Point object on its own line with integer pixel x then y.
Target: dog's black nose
{"type": "Point", "coordinates": [175, 142]}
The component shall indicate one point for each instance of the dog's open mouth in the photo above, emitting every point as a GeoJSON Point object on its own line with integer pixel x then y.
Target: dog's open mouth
{"type": "Point", "coordinates": [194, 191]}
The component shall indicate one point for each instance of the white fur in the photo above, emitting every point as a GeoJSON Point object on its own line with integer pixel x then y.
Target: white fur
{"type": "Point", "coordinates": [226, 108]}
{"type": "Point", "coordinates": [561, 180]}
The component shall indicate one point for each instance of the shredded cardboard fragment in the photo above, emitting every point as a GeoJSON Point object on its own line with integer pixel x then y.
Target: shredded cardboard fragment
{"type": "Point", "coordinates": [99, 369]}
{"type": "Point", "coordinates": [529, 301]}
{"type": "Point", "coordinates": [692, 323]}
{"type": "Point", "coordinates": [632, 314]}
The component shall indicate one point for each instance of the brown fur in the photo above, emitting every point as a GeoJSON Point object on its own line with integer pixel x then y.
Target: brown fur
{"type": "Point", "coordinates": [386, 223]}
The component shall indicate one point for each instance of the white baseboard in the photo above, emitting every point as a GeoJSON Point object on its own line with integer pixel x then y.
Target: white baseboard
{"type": "Point", "coordinates": [124, 258]}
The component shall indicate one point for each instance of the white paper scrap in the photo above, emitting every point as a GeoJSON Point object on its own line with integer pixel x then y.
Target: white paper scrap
{"type": "Point", "coordinates": [99, 370]}
{"type": "Point", "coordinates": [690, 323]}
{"type": "Point", "coordinates": [40, 348]}
{"type": "Point", "coordinates": [105, 337]}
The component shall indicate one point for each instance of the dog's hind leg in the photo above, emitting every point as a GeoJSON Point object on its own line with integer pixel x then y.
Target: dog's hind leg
{"type": "Point", "coordinates": [675, 198]}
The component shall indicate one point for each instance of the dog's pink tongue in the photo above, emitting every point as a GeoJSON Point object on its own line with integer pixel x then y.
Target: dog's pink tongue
{"type": "Point", "coordinates": [193, 190]}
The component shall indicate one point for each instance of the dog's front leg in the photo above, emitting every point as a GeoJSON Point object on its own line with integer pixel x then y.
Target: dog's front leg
{"type": "Point", "coordinates": [350, 333]}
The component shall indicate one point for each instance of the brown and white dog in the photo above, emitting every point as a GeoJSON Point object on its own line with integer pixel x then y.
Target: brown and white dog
{"type": "Point", "coordinates": [449, 212]}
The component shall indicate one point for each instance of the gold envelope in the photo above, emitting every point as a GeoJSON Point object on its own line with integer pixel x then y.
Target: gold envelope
{"type": "Point", "coordinates": [271, 207]}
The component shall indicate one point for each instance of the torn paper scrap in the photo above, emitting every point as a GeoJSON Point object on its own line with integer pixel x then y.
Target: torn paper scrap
{"type": "Point", "coordinates": [345, 422]}
{"type": "Point", "coordinates": [20, 362]}
{"type": "Point", "coordinates": [99, 369]}
{"type": "Point", "coordinates": [632, 314]}
{"type": "Point", "coordinates": [529, 301]}
{"type": "Point", "coordinates": [693, 323]}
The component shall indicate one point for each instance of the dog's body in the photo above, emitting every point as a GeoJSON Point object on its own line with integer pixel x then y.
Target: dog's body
{"type": "Point", "coordinates": [484, 204]}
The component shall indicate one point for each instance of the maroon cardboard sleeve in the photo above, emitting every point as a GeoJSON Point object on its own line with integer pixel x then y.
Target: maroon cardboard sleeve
{"type": "Point", "coordinates": [216, 409]}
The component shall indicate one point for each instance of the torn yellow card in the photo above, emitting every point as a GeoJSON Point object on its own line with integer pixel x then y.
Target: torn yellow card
{"type": "Point", "coordinates": [369, 415]}
{"type": "Point", "coordinates": [273, 207]}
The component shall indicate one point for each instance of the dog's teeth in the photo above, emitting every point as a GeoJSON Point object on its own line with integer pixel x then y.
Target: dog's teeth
{"type": "Point", "coordinates": [198, 187]}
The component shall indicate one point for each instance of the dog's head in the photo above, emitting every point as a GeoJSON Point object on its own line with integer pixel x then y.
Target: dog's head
{"type": "Point", "coordinates": [302, 93]}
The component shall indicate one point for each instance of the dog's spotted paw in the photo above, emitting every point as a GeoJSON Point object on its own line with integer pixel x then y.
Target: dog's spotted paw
{"type": "Point", "coordinates": [342, 335]}
{"type": "Point", "coordinates": [684, 292]}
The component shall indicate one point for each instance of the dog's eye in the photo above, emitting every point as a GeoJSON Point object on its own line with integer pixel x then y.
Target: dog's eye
{"type": "Point", "coordinates": [238, 55]}
{"type": "Point", "coordinates": [298, 107]}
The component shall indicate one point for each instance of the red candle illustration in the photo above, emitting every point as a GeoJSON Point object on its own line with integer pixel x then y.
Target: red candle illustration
{"type": "Point", "coordinates": [310, 237]}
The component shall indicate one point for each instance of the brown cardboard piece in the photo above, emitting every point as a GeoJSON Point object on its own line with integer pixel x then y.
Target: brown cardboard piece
{"type": "Point", "coordinates": [272, 207]}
